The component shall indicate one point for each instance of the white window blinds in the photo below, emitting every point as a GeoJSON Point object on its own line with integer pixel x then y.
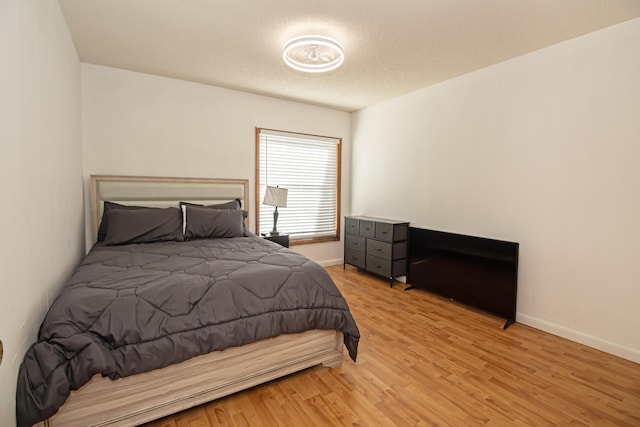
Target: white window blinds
{"type": "Point", "coordinates": [308, 166]}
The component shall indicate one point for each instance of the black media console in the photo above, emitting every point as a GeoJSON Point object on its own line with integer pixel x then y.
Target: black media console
{"type": "Point", "coordinates": [480, 272]}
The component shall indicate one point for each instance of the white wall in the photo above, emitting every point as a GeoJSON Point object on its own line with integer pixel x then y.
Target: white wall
{"type": "Point", "coordinates": [138, 124]}
{"type": "Point", "coordinates": [40, 175]}
{"type": "Point", "coordinates": [543, 149]}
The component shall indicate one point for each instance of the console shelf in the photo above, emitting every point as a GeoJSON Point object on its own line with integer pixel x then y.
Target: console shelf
{"type": "Point", "coordinates": [477, 271]}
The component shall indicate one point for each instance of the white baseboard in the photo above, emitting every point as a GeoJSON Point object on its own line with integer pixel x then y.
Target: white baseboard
{"type": "Point", "coordinates": [330, 262]}
{"type": "Point", "coordinates": [580, 337]}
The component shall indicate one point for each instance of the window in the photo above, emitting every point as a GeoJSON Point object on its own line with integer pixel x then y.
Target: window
{"type": "Point", "coordinates": [309, 167]}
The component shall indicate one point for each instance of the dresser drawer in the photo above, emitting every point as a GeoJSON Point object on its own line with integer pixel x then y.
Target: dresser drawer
{"type": "Point", "coordinates": [384, 231]}
{"type": "Point", "coordinates": [378, 265]}
{"type": "Point", "coordinates": [353, 257]}
{"type": "Point", "coordinates": [379, 249]}
{"type": "Point", "coordinates": [391, 232]}
{"type": "Point", "coordinates": [387, 250]}
{"type": "Point", "coordinates": [351, 225]}
{"type": "Point", "coordinates": [356, 243]}
{"type": "Point", "coordinates": [366, 228]}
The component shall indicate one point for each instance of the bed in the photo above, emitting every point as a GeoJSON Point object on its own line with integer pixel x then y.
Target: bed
{"type": "Point", "coordinates": [193, 308]}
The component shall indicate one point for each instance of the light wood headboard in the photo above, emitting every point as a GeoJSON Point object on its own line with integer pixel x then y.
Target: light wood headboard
{"type": "Point", "coordinates": [161, 192]}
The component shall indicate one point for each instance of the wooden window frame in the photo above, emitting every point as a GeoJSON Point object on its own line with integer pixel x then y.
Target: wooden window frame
{"type": "Point", "coordinates": [302, 241]}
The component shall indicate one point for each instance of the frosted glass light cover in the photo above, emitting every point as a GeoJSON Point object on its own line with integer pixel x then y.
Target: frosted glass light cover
{"type": "Point", "coordinates": [313, 54]}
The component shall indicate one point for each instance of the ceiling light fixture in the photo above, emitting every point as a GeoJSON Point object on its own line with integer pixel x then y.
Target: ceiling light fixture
{"type": "Point", "coordinates": [313, 54]}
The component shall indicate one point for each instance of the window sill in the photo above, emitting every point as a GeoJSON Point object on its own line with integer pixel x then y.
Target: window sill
{"type": "Point", "coordinates": [314, 240]}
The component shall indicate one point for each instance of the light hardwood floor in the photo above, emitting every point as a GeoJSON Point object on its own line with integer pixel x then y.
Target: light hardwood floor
{"type": "Point", "coordinates": [424, 361]}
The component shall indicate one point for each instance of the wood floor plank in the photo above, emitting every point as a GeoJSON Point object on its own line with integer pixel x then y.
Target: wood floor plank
{"type": "Point", "coordinates": [425, 361]}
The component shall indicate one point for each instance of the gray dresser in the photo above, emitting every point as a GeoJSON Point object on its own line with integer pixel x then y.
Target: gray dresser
{"type": "Point", "coordinates": [376, 245]}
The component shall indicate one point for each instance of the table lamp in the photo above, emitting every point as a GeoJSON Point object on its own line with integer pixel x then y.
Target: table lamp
{"type": "Point", "coordinates": [275, 196]}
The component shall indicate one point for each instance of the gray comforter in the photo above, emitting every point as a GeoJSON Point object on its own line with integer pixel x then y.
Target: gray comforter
{"type": "Point", "coordinates": [133, 308]}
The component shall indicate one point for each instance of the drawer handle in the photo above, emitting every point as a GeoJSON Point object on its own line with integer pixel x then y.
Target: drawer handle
{"type": "Point", "coordinates": [355, 243]}
{"type": "Point", "coordinates": [367, 229]}
{"type": "Point", "coordinates": [378, 249]}
{"type": "Point", "coordinates": [384, 232]}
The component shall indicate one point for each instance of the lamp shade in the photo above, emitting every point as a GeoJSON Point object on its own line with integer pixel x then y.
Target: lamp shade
{"type": "Point", "coordinates": [275, 196]}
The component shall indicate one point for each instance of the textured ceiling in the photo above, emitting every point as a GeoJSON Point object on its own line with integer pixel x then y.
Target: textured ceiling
{"type": "Point", "coordinates": [392, 47]}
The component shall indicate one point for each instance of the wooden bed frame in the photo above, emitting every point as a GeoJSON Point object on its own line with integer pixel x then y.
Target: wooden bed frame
{"type": "Point", "coordinates": [151, 395]}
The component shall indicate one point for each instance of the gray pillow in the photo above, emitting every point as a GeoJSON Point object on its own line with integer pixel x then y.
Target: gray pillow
{"type": "Point", "coordinates": [143, 225]}
{"type": "Point", "coordinates": [104, 223]}
{"type": "Point", "coordinates": [234, 204]}
{"type": "Point", "coordinates": [207, 223]}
